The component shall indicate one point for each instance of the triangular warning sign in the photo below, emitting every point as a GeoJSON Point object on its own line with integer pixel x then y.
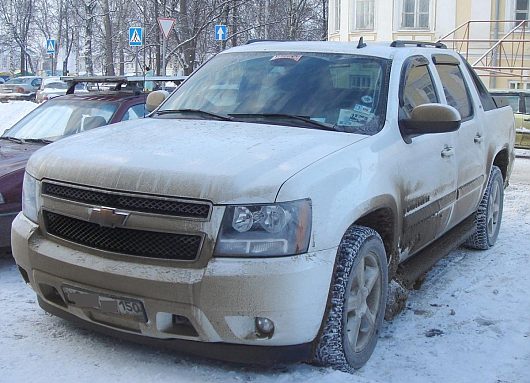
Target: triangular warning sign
{"type": "Point", "coordinates": [165, 25]}
{"type": "Point", "coordinates": [51, 46]}
{"type": "Point", "coordinates": [135, 38]}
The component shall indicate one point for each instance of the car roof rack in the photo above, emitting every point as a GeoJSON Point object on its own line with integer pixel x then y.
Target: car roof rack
{"type": "Point", "coordinates": [118, 80]}
{"type": "Point", "coordinates": [252, 41]}
{"type": "Point", "coordinates": [422, 44]}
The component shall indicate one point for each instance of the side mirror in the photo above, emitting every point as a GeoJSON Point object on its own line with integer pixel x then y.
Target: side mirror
{"type": "Point", "coordinates": [428, 119]}
{"type": "Point", "coordinates": [154, 99]}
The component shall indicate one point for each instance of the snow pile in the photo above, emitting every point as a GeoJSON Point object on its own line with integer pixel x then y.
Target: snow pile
{"type": "Point", "coordinates": [13, 111]}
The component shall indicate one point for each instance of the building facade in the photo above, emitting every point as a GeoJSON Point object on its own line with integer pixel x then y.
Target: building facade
{"type": "Point", "coordinates": [473, 27]}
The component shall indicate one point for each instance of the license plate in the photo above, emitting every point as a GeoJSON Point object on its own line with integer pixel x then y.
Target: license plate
{"type": "Point", "coordinates": [108, 304]}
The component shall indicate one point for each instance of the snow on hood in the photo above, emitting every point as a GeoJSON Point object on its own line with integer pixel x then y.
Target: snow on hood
{"type": "Point", "coordinates": [224, 162]}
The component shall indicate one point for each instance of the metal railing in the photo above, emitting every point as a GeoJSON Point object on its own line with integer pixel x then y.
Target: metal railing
{"type": "Point", "coordinates": [498, 56]}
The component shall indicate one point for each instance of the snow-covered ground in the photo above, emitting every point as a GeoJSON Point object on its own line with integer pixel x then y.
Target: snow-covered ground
{"type": "Point", "coordinates": [469, 322]}
{"type": "Point", "coordinates": [11, 112]}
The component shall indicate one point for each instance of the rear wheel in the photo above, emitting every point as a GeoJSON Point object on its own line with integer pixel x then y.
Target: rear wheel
{"type": "Point", "coordinates": [357, 301]}
{"type": "Point", "coordinates": [489, 213]}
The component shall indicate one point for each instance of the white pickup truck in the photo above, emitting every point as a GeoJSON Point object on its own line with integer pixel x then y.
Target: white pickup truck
{"type": "Point", "coordinates": [260, 212]}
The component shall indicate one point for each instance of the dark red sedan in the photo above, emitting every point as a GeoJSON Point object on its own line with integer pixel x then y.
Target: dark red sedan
{"type": "Point", "coordinates": [53, 120]}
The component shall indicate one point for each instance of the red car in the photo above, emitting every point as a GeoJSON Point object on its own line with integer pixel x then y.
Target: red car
{"type": "Point", "coordinates": [53, 120]}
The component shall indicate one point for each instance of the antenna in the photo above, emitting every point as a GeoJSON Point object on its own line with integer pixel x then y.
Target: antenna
{"type": "Point", "coordinates": [361, 43]}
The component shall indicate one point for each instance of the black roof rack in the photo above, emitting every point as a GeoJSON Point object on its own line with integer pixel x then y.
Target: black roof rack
{"type": "Point", "coordinates": [252, 41]}
{"type": "Point", "coordinates": [423, 44]}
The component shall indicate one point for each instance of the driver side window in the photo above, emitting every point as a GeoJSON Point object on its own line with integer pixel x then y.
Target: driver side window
{"type": "Point", "coordinates": [417, 88]}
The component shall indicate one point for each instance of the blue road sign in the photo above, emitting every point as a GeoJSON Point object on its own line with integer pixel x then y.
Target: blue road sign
{"type": "Point", "coordinates": [136, 36]}
{"type": "Point", "coordinates": [50, 46]}
{"type": "Point", "coordinates": [221, 32]}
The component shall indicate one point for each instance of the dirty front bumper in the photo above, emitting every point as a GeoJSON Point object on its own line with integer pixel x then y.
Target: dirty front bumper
{"type": "Point", "coordinates": [214, 305]}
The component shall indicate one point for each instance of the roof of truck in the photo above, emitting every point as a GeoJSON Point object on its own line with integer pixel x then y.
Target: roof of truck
{"type": "Point", "coordinates": [379, 49]}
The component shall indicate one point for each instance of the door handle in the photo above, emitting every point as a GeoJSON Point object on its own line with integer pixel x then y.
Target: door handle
{"type": "Point", "coordinates": [527, 120]}
{"type": "Point", "coordinates": [448, 152]}
{"type": "Point", "coordinates": [478, 139]}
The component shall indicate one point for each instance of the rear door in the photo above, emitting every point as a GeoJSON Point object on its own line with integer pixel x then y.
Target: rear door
{"type": "Point", "coordinates": [470, 145]}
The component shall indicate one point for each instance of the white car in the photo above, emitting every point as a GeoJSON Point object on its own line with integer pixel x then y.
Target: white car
{"type": "Point", "coordinates": [53, 87]}
{"type": "Point", "coordinates": [259, 213]}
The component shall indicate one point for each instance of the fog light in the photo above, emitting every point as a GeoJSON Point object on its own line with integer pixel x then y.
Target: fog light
{"type": "Point", "coordinates": [264, 327]}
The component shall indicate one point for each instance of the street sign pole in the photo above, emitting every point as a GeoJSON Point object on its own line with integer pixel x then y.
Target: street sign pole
{"type": "Point", "coordinates": [166, 24]}
{"type": "Point", "coordinates": [53, 66]}
{"type": "Point", "coordinates": [136, 62]}
{"type": "Point", "coordinates": [164, 47]}
{"type": "Point", "coordinates": [136, 40]}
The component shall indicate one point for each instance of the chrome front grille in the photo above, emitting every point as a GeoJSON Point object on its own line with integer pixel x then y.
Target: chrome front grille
{"type": "Point", "coordinates": [117, 200]}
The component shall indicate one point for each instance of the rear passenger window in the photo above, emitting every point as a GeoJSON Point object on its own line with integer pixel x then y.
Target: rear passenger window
{"type": "Point", "coordinates": [418, 88]}
{"type": "Point", "coordinates": [455, 89]}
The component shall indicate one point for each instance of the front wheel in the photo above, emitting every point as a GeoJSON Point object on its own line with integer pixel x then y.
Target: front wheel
{"type": "Point", "coordinates": [357, 301]}
{"type": "Point", "coordinates": [489, 213]}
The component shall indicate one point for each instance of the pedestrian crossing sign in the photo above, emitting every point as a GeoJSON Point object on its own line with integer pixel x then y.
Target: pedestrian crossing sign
{"type": "Point", "coordinates": [136, 36]}
{"type": "Point", "coordinates": [50, 46]}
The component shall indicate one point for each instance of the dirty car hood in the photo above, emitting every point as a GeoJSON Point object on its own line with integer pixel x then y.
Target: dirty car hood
{"type": "Point", "coordinates": [224, 162]}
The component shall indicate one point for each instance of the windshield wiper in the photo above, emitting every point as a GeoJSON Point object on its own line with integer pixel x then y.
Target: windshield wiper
{"type": "Point", "coordinates": [281, 116]}
{"type": "Point", "coordinates": [17, 140]}
{"type": "Point", "coordinates": [40, 140]}
{"type": "Point", "coordinates": [197, 112]}
{"type": "Point", "coordinates": [26, 140]}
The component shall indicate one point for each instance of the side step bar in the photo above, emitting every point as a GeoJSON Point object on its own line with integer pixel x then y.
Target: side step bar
{"type": "Point", "coordinates": [412, 272]}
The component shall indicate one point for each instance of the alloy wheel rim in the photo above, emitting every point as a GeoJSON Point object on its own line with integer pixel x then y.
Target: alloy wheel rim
{"type": "Point", "coordinates": [494, 209]}
{"type": "Point", "coordinates": [363, 300]}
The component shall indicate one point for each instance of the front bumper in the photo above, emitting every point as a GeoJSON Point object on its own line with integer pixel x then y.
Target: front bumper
{"type": "Point", "coordinates": [221, 301]}
{"type": "Point", "coordinates": [17, 96]}
{"type": "Point", "coordinates": [6, 219]}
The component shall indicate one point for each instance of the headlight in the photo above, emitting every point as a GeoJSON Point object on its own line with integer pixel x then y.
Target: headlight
{"type": "Point", "coordinates": [29, 198]}
{"type": "Point", "coordinates": [269, 230]}
{"type": "Point", "coordinates": [2, 199]}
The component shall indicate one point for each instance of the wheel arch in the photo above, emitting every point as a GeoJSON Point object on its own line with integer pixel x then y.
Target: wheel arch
{"type": "Point", "coordinates": [502, 161]}
{"type": "Point", "coordinates": [383, 218]}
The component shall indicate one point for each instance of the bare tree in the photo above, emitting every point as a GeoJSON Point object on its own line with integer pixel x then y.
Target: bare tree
{"type": "Point", "coordinates": [18, 16]}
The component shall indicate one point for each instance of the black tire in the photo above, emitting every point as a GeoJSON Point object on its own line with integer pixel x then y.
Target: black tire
{"type": "Point", "coordinates": [360, 247]}
{"type": "Point", "coordinates": [489, 213]}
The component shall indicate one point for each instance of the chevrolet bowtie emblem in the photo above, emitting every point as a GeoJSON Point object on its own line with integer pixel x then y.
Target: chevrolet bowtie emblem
{"type": "Point", "coordinates": [107, 217]}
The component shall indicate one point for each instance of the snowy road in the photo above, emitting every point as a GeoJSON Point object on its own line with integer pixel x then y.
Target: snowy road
{"type": "Point", "coordinates": [478, 302]}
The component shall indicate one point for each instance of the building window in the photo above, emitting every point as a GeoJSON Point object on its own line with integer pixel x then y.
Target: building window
{"type": "Point", "coordinates": [364, 14]}
{"type": "Point", "coordinates": [521, 10]}
{"type": "Point", "coordinates": [415, 14]}
{"type": "Point", "coordinates": [336, 16]}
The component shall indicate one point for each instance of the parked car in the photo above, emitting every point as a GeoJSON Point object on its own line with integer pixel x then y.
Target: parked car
{"type": "Point", "coordinates": [53, 120]}
{"type": "Point", "coordinates": [519, 100]}
{"type": "Point", "coordinates": [53, 86]}
{"type": "Point", "coordinates": [260, 211]}
{"type": "Point", "coordinates": [20, 88]}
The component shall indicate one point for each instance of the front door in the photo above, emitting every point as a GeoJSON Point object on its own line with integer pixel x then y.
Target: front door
{"type": "Point", "coordinates": [427, 165]}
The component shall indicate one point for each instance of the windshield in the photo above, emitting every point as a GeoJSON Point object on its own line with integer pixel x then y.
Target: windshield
{"type": "Point", "coordinates": [56, 85]}
{"type": "Point", "coordinates": [58, 118]}
{"type": "Point", "coordinates": [339, 91]}
{"type": "Point", "coordinates": [19, 81]}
